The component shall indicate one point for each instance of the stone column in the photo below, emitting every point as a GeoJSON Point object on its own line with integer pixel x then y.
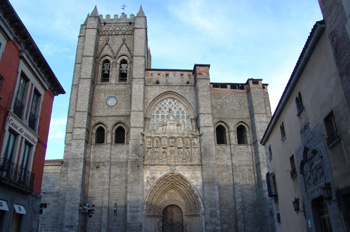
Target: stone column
{"type": "Point", "coordinates": [207, 148]}
{"type": "Point", "coordinates": [135, 158]}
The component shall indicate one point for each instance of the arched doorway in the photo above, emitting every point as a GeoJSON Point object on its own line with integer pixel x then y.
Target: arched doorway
{"type": "Point", "coordinates": [172, 199]}
{"type": "Point", "coordinates": [172, 219]}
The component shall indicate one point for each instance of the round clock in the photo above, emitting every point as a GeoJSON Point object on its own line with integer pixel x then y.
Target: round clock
{"type": "Point", "coordinates": [111, 101]}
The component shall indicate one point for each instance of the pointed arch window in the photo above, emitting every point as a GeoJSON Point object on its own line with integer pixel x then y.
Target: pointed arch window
{"type": "Point", "coordinates": [221, 135]}
{"type": "Point", "coordinates": [119, 135]}
{"type": "Point", "coordinates": [242, 135]}
{"type": "Point", "coordinates": [123, 71]}
{"type": "Point", "coordinates": [100, 135]}
{"type": "Point", "coordinates": [106, 70]}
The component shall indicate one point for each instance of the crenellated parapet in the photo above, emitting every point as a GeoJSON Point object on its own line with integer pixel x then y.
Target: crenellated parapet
{"type": "Point", "coordinates": [117, 25]}
{"type": "Point", "coordinates": [237, 88]}
{"type": "Point", "coordinates": [169, 77]}
{"type": "Point", "coordinates": [116, 19]}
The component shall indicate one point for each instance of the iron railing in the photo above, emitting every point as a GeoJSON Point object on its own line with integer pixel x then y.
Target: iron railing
{"type": "Point", "coordinates": [16, 174]}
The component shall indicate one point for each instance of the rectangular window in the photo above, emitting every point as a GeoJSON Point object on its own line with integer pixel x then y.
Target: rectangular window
{"type": "Point", "coordinates": [25, 155]}
{"type": "Point", "coordinates": [1, 81]}
{"type": "Point", "coordinates": [33, 117]}
{"type": "Point", "coordinates": [299, 104]}
{"type": "Point", "coordinates": [283, 132]}
{"type": "Point", "coordinates": [271, 184]}
{"type": "Point", "coordinates": [10, 146]}
{"type": "Point", "coordinates": [24, 162]}
{"type": "Point", "coordinates": [20, 97]}
{"type": "Point", "coordinates": [16, 222]}
{"type": "Point", "coordinates": [2, 44]}
{"type": "Point", "coordinates": [270, 152]}
{"type": "Point", "coordinates": [331, 129]}
{"type": "Point", "coordinates": [293, 171]}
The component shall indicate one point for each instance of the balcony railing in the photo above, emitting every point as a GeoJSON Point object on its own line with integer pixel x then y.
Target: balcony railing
{"type": "Point", "coordinates": [11, 172]}
{"type": "Point", "coordinates": [32, 121]}
{"type": "Point", "coordinates": [18, 108]}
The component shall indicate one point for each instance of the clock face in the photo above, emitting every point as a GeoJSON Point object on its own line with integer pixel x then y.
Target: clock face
{"type": "Point", "coordinates": [111, 101]}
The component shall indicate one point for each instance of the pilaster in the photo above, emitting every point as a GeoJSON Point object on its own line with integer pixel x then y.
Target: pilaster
{"type": "Point", "coordinates": [78, 124]}
{"type": "Point", "coordinates": [135, 159]}
{"type": "Point", "coordinates": [259, 116]}
{"type": "Point", "coordinates": [207, 149]}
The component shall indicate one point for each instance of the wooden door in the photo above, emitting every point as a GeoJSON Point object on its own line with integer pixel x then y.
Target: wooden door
{"type": "Point", "coordinates": [172, 219]}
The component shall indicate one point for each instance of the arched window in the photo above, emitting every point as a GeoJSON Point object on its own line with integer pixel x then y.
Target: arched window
{"type": "Point", "coordinates": [100, 135]}
{"type": "Point", "coordinates": [119, 135]}
{"type": "Point", "coordinates": [106, 69]}
{"type": "Point", "coordinates": [123, 71]}
{"type": "Point", "coordinates": [221, 135]}
{"type": "Point", "coordinates": [242, 135]}
{"type": "Point", "coordinates": [171, 115]}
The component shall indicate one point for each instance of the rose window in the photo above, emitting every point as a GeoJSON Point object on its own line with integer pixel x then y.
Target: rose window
{"type": "Point", "coordinates": [170, 114]}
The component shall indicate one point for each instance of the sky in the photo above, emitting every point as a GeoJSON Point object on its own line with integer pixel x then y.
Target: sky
{"type": "Point", "coordinates": [240, 39]}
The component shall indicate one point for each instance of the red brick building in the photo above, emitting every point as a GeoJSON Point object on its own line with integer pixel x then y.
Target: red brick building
{"type": "Point", "coordinates": [27, 90]}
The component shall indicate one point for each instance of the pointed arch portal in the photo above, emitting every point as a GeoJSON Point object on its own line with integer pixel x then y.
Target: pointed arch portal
{"type": "Point", "coordinates": [172, 203]}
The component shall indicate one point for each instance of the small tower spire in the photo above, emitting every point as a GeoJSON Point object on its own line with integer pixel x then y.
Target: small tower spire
{"type": "Point", "coordinates": [94, 12]}
{"type": "Point", "coordinates": [141, 13]}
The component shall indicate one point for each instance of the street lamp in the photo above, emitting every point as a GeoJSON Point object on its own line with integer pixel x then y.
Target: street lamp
{"type": "Point", "coordinates": [296, 205]}
{"type": "Point", "coordinates": [87, 210]}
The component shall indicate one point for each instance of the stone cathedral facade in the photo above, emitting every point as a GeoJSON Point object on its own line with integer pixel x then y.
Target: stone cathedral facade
{"type": "Point", "coordinates": [155, 149]}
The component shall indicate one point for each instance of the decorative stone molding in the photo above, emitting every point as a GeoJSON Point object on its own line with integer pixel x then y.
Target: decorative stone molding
{"type": "Point", "coordinates": [171, 148]}
{"type": "Point", "coordinates": [117, 29]}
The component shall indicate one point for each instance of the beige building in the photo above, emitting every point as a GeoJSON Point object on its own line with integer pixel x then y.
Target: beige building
{"type": "Point", "coordinates": [155, 149]}
{"type": "Point", "coordinates": [308, 144]}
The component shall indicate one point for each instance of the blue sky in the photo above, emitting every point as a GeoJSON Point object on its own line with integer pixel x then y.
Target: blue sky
{"type": "Point", "coordinates": [240, 39]}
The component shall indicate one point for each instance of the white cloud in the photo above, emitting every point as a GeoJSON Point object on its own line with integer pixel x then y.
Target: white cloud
{"type": "Point", "coordinates": [57, 128]}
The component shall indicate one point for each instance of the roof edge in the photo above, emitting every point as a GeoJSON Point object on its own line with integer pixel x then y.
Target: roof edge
{"type": "Point", "coordinates": [26, 40]}
{"type": "Point", "coordinates": [304, 57]}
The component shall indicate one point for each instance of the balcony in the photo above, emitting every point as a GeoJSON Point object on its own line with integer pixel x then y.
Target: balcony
{"type": "Point", "coordinates": [18, 108]}
{"type": "Point", "coordinates": [13, 174]}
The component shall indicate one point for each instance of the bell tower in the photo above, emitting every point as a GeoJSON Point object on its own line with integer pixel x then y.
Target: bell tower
{"type": "Point", "coordinates": [108, 85]}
